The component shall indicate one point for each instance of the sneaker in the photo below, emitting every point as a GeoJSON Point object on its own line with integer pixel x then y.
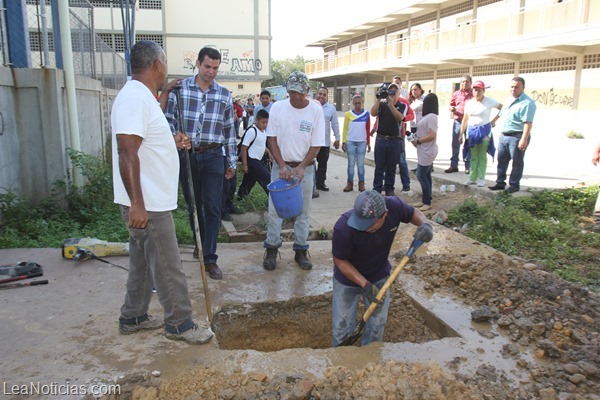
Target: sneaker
{"type": "Point", "coordinates": [270, 259]}
{"type": "Point", "coordinates": [148, 324]}
{"type": "Point", "coordinates": [302, 258]}
{"type": "Point", "coordinates": [513, 189]}
{"type": "Point", "coordinates": [497, 186]}
{"type": "Point", "coordinates": [451, 169]}
{"type": "Point", "coordinates": [467, 171]}
{"type": "Point", "coordinates": [322, 187]}
{"type": "Point", "coordinates": [425, 207]}
{"type": "Point", "coordinates": [469, 182]}
{"type": "Point", "coordinates": [315, 194]}
{"type": "Point", "coordinates": [194, 335]}
{"type": "Point", "coordinates": [408, 192]}
{"type": "Point", "coordinates": [481, 182]}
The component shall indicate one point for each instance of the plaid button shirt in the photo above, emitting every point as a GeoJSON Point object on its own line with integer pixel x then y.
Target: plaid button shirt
{"type": "Point", "coordinates": [208, 117]}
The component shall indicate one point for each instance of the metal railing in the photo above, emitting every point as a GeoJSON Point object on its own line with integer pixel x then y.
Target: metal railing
{"type": "Point", "coordinates": [92, 57]}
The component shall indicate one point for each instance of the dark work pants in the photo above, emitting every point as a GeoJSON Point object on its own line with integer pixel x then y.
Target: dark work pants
{"type": "Point", "coordinates": [322, 158]}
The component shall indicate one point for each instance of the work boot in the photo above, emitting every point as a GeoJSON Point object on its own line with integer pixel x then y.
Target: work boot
{"type": "Point", "coordinates": [270, 259]}
{"type": "Point", "coordinates": [194, 335]}
{"type": "Point", "coordinates": [301, 258]}
{"type": "Point", "coordinates": [361, 186]}
{"type": "Point", "coordinates": [349, 187]}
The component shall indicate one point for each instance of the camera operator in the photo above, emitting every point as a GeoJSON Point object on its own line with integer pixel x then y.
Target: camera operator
{"type": "Point", "coordinates": [391, 111]}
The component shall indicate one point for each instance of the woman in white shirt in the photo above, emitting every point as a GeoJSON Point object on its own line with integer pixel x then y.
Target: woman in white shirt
{"type": "Point", "coordinates": [477, 125]}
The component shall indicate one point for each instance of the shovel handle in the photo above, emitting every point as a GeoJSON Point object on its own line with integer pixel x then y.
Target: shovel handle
{"type": "Point", "coordinates": [414, 246]}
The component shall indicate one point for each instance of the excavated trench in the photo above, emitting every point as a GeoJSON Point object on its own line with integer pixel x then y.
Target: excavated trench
{"type": "Point", "coordinates": [306, 323]}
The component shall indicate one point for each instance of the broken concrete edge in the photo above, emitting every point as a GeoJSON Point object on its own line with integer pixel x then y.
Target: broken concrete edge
{"type": "Point", "coordinates": [286, 234]}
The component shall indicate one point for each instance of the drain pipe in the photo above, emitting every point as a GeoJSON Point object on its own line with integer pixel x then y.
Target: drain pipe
{"type": "Point", "coordinates": [69, 76]}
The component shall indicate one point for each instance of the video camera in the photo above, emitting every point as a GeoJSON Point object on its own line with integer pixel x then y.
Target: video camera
{"type": "Point", "coordinates": [384, 91]}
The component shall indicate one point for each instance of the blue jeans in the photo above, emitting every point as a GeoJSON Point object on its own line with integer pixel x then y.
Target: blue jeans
{"type": "Point", "coordinates": [456, 148]}
{"type": "Point", "coordinates": [256, 173]}
{"type": "Point", "coordinates": [356, 156]}
{"type": "Point", "coordinates": [344, 308]}
{"type": "Point", "coordinates": [424, 177]}
{"type": "Point", "coordinates": [208, 171]}
{"type": "Point", "coordinates": [508, 149]}
{"type": "Point", "coordinates": [301, 224]}
{"type": "Point", "coordinates": [403, 166]}
{"type": "Point", "coordinates": [154, 260]}
{"type": "Point", "coordinates": [387, 154]}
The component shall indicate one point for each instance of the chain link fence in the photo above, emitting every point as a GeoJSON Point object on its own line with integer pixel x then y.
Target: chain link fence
{"type": "Point", "coordinates": [92, 56]}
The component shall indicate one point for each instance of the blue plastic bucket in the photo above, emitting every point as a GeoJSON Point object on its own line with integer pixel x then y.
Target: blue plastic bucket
{"type": "Point", "coordinates": [287, 197]}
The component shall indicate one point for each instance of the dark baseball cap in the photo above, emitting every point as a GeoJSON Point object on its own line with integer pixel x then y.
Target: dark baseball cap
{"type": "Point", "coordinates": [369, 206]}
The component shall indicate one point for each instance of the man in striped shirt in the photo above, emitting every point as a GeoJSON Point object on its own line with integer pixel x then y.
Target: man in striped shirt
{"type": "Point", "coordinates": [208, 119]}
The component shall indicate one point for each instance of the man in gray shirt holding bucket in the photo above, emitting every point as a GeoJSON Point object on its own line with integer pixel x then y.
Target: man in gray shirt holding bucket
{"type": "Point", "coordinates": [295, 134]}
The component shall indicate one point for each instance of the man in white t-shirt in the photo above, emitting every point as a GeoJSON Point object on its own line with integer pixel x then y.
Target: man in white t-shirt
{"type": "Point", "coordinates": [295, 134]}
{"type": "Point", "coordinates": [145, 170]}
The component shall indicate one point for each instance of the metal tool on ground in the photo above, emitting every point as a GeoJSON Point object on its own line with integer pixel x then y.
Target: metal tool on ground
{"type": "Point", "coordinates": [22, 284]}
{"type": "Point", "coordinates": [353, 338]}
{"type": "Point", "coordinates": [20, 278]}
{"type": "Point", "coordinates": [23, 268]}
{"type": "Point", "coordinates": [192, 201]}
{"type": "Point", "coordinates": [100, 248]}
{"type": "Point", "coordinates": [85, 254]}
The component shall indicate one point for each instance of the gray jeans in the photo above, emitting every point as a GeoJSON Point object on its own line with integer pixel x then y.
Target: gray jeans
{"type": "Point", "coordinates": [154, 259]}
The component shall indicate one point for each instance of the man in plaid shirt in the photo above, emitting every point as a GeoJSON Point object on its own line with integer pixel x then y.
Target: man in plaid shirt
{"type": "Point", "coordinates": [208, 115]}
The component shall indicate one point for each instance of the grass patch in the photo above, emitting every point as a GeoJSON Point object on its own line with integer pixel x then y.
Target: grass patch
{"type": "Point", "coordinates": [551, 227]}
{"type": "Point", "coordinates": [86, 211]}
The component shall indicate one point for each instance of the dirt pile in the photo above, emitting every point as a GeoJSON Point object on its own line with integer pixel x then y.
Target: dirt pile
{"type": "Point", "coordinates": [392, 380]}
{"type": "Point", "coordinates": [558, 321]}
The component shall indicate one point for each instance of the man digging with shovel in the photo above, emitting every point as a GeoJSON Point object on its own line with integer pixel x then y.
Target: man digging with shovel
{"type": "Point", "coordinates": [361, 244]}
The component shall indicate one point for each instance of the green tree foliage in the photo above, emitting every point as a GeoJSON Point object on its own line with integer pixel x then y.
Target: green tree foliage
{"type": "Point", "coordinates": [281, 69]}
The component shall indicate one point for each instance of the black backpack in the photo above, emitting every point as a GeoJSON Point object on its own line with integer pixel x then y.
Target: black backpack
{"type": "Point", "coordinates": [239, 146]}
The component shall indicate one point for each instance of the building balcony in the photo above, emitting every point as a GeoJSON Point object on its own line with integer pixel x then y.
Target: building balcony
{"type": "Point", "coordinates": [568, 26]}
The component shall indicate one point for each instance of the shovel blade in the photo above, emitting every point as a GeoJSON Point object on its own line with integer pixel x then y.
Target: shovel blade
{"type": "Point", "coordinates": [353, 338]}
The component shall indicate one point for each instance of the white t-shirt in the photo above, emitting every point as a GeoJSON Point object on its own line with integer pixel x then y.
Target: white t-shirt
{"type": "Point", "coordinates": [427, 152]}
{"type": "Point", "coordinates": [296, 129]}
{"type": "Point", "coordinates": [480, 112]}
{"type": "Point", "coordinates": [257, 149]}
{"type": "Point", "coordinates": [136, 112]}
{"type": "Point", "coordinates": [417, 107]}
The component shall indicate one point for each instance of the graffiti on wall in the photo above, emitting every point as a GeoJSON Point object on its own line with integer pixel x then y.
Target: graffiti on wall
{"type": "Point", "coordinates": [244, 65]}
{"type": "Point", "coordinates": [550, 98]}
